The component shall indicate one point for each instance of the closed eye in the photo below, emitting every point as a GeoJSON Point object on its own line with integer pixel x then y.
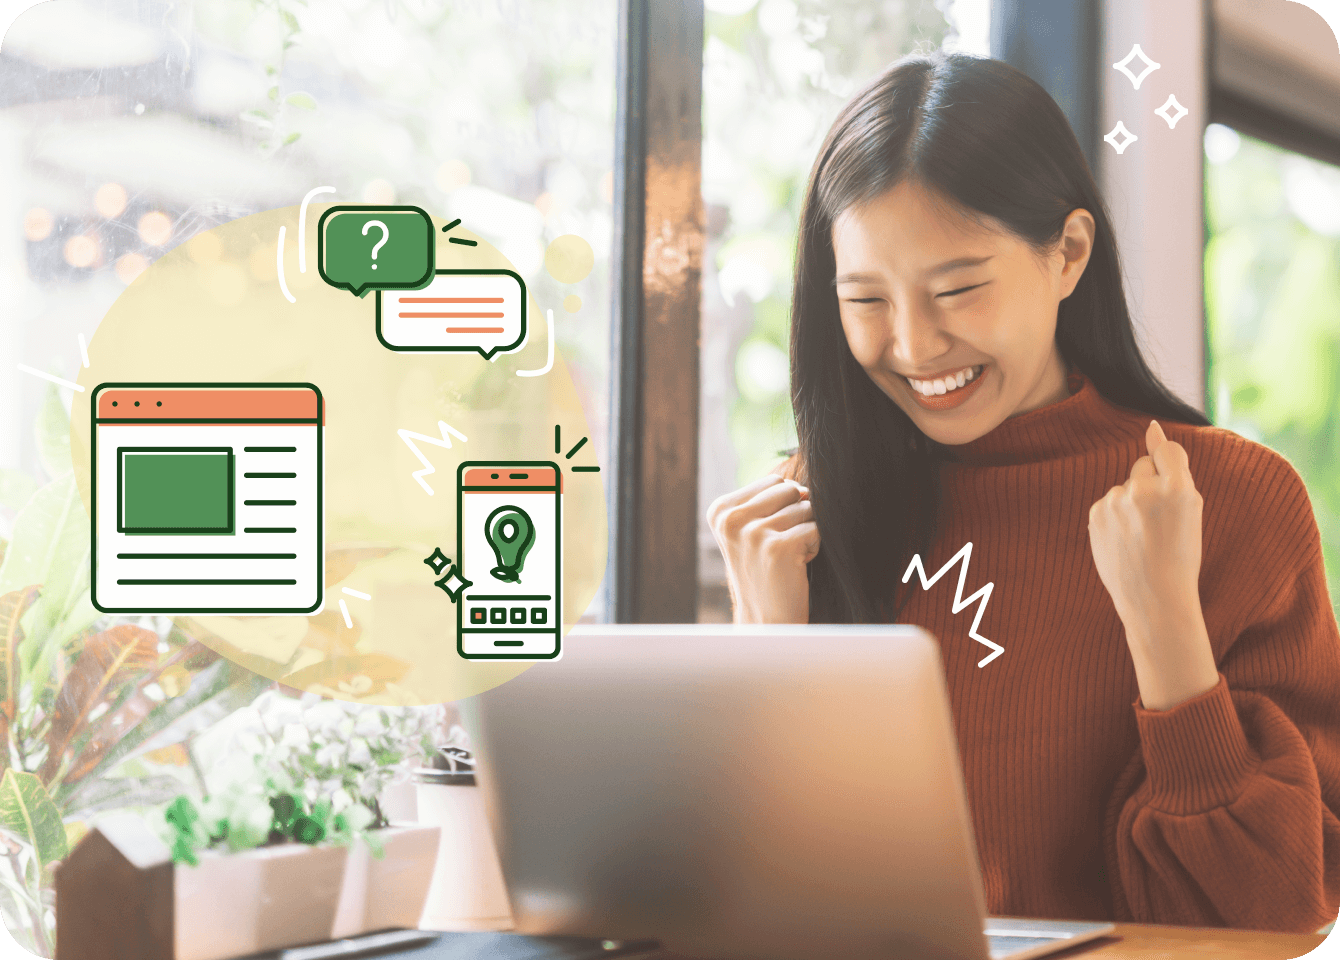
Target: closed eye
{"type": "Point", "coordinates": [947, 293]}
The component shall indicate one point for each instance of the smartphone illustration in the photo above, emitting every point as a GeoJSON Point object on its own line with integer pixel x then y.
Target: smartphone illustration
{"type": "Point", "coordinates": [509, 547]}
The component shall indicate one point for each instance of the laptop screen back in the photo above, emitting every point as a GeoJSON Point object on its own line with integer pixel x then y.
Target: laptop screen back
{"type": "Point", "coordinates": [785, 792]}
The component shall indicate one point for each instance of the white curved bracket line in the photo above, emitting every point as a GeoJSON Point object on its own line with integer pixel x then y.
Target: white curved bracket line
{"type": "Point", "coordinates": [279, 264]}
{"type": "Point", "coordinates": [549, 364]}
{"type": "Point", "coordinates": [302, 225]}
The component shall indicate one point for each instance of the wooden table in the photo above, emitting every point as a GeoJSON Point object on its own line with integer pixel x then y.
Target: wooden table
{"type": "Point", "coordinates": [1142, 941]}
{"type": "Point", "coordinates": [1131, 941]}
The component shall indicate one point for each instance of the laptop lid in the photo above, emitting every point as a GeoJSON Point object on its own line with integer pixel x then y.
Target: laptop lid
{"type": "Point", "coordinates": [783, 792]}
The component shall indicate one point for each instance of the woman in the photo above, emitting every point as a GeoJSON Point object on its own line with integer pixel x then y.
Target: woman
{"type": "Point", "coordinates": [1159, 740]}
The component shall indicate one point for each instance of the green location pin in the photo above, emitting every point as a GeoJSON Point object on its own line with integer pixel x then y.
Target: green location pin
{"type": "Point", "coordinates": [511, 534]}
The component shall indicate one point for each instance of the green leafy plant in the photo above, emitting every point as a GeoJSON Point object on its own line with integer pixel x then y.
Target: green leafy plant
{"type": "Point", "coordinates": [273, 119]}
{"type": "Point", "coordinates": [331, 748]}
{"type": "Point", "coordinates": [245, 819]}
{"type": "Point", "coordinates": [305, 770]}
{"type": "Point", "coordinates": [96, 712]}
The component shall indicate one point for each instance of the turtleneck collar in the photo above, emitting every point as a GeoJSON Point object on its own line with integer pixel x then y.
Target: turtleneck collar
{"type": "Point", "coordinates": [1083, 421]}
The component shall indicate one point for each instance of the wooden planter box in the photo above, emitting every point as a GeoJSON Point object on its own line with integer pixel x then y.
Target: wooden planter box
{"type": "Point", "coordinates": [234, 904]}
{"type": "Point", "coordinates": [389, 892]}
{"type": "Point", "coordinates": [120, 897]}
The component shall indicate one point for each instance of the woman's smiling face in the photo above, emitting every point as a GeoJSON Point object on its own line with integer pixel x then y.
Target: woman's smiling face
{"type": "Point", "coordinates": [928, 295]}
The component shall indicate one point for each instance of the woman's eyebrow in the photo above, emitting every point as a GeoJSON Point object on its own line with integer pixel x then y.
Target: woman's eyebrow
{"type": "Point", "coordinates": [945, 267]}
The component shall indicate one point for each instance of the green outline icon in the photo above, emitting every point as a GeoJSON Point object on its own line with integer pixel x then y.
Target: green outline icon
{"type": "Point", "coordinates": [517, 606]}
{"type": "Point", "coordinates": [510, 532]}
{"type": "Point", "coordinates": [218, 493]}
{"type": "Point", "coordinates": [360, 247]}
{"type": "Point", "coordinates": [441, 306]}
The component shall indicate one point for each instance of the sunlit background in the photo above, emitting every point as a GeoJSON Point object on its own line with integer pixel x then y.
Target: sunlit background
{"type": "Point", "coordinates": [201, 113]}
{"type": "Point", "coordinates": [1272, 304]}
{"type": "Point", "coordinates": [128, 127]}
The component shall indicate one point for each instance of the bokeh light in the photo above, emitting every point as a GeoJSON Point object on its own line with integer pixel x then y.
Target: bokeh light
{"type": "Point", "coordinates": [110, 200]}
{"type": "Point", "coordinates": [155, 228]}
{"type": "Point", "coordinates": [1221, 143]}
{"type": "Point", "coordinates": [82, 251]}
{"type": "Point", "coordinates": [130, 266]}
{"type": "Point", "coordinates": [37, 224]}
{"type": "Point", "coordinates": [572, 303]}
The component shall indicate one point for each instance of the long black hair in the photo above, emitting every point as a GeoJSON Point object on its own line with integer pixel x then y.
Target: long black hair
{"type": "Point", "coordinates": [983, 137]}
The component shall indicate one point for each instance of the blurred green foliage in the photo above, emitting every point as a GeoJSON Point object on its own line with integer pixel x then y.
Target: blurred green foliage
{"type": "Point", "coordinates": [1272, 301]}
{"type": "Point", "coordinates": [774, 77]}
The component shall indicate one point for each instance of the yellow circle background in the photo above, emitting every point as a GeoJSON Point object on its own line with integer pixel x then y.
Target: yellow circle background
{"type": "Point", "coordinates": [212, 310]}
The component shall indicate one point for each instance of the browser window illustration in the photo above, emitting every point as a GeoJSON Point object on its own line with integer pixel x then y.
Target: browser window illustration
{"type": "Point", "coordinates": [207, 498]}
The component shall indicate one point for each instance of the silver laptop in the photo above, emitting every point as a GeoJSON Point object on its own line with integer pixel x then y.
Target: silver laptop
{"type": "Point", "coordinates": [742, 793]}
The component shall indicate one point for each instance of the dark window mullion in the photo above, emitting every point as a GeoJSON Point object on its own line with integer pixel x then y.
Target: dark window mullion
{"type": "Point", "coordinates": [658, 246]}
{"type": "Point", "coordinates": [1058, 44]}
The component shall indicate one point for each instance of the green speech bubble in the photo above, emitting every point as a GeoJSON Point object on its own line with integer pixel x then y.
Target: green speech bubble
{"type": "Point", "coordinates": [362, 248]}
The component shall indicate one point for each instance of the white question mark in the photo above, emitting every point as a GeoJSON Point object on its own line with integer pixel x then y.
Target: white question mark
{"type": "Point", "coordinates": [386, 234]}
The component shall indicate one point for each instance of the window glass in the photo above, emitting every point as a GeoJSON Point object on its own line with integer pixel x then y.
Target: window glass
{"type": "Point", "coordinates": [127, 127]}
{"type": "Point", "coordinates": [1272, 304]}
{"type": "Point", "coordinates": [775, 74]}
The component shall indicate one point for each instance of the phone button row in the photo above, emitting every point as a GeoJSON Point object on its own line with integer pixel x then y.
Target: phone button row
{"type": "Point", "coordinates": [501, 615]}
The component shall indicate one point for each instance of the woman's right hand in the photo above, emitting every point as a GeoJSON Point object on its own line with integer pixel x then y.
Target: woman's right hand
{"type": "Point", "coordinates": [767, 534]}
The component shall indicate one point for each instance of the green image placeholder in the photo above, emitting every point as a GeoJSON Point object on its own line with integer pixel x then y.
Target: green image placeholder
{"type": "Point", "coordinates": [176, 490]}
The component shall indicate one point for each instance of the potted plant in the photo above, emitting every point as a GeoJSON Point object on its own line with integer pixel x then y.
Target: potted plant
{"type": "Point", "coordinates": [99, 713]}
{"type": "Point", "coordinates": [256, 869]}
{"type": "Point", "coordinates": [95, 711]}
{"type": "Point", "coordinates": [294, 773]}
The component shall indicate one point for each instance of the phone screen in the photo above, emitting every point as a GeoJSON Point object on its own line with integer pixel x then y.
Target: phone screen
{"type": "Point", "coordinates": [509, 545]}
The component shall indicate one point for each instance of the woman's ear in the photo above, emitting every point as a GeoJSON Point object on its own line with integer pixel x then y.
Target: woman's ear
{"type": "Point", "coordinates": [1076, 247]}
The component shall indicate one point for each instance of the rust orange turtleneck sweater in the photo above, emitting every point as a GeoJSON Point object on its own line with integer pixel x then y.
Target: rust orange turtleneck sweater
{"type": "Point", "coordinates": [1219, 812]}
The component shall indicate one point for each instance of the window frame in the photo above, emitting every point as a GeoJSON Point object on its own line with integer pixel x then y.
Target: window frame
{"type": "Point", "coordinates": [657, 270]}
{"type": "Point", "coordinates": [659, 239]}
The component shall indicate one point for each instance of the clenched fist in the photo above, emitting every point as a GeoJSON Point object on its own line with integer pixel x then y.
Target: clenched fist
{"type": "Point", "coordinates": [767, 534]}
{"type": "Point", "coordinates": [1146, 540]}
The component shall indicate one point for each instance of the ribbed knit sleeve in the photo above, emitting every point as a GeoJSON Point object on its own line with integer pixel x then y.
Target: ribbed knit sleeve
{"type": "Point", "coordinates": [1227, 813]}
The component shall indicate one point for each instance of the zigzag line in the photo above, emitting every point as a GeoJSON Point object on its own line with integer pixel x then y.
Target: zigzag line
{"type": "Point", "coordinates": [959, 600]}
{"type": "Point", "coordinates": [409, 436]}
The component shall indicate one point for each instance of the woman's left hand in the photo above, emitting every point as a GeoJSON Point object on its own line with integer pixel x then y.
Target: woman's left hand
{"type": "Point", "coordinates": [1146, 538]}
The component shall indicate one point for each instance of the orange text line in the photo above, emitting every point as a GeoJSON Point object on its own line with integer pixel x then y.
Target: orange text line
{"type": "Point", "coordinates": [470, 316]}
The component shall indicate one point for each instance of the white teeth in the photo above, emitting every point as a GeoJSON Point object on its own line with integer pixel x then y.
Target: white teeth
{"type": "Point", "coordinates": [931, 388]}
